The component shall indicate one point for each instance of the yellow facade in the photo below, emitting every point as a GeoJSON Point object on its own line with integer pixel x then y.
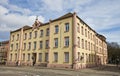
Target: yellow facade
{"type": "Point", "coordinates": [71, 44]}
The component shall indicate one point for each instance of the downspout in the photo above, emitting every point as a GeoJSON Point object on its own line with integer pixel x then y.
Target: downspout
{"type": "Point", "coordinates": [20, 50]}
{"type": "Point", "coordinates": [74, 36]}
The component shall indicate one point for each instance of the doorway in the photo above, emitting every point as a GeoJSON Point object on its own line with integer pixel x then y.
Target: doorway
{"type": "Point", "coordinates": [34, 55]}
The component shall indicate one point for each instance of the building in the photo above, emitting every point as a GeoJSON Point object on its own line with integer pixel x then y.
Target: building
{"type": "Point", "coordinates": [4, 48]}
{"type": "Point", "coordinates": [66, 42]}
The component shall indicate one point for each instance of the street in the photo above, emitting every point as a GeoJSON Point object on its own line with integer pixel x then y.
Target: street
{"type": "Point", "coordinates": [108, 70]}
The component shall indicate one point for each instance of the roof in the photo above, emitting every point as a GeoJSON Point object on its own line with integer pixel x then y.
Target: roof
{"type": "Point", "coordinates": [24, 28]}
{"type": "Point", "coordinates": [64, 16]}
{"type": "Point", "coordinates": [59, 18]}
{"type": "Point", "coordinates": [4, 42]}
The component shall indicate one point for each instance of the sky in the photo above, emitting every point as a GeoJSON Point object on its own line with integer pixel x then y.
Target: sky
{"type": "Point", "coordinates": [101, 15]}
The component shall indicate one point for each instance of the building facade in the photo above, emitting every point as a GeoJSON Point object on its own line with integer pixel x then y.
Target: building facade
{"type": "Point", "coordinates": [4, 49]}
{"type": "Point", "coordinates": [66, 42]}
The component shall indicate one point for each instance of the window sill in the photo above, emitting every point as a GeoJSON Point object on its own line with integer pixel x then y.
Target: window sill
{"type": "Point", "coordinates": [40, 48]}
{"type": "Point", "coordinates": [54, 61]}
{"type": "Point", "coordinates": [35, 37]}
{"type": "Point", "coordinates": [47, 48]}
{"type": "Point", "coordinates": [28, 49]}
{"type": "Point", "coordinates": [78, 46]}
{"type": "Point", "coordinates": [66, 62]}
{"type": "Point", "coordinates": [34, 49]}
{"type": "Point", "coordinates": [41, 36]}
{"type": "Point", "coordinates": [66, 31]}
{"type": "Point", "coordinates": [78, 31]}
{"type": "Point", "coordinates": [56, 33]}
{"type": "Point", "coordinates": [55, 47]}
{"type": "Point", "coordinates": [66, 46]}
{"type": "Point", "coordinates": [17, 40]}
{"type": "Point", "coordinates": [29, 38]}
{"type": "Point", "coordinates": [24, 39]}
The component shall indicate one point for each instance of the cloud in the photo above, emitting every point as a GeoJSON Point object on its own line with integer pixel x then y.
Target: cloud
{"type": "Point", "coordinates": [101, 15]}
{"type": "Point", "coordinates": [3, 10]}
{"type": "Point", "coordinates": [112, 36]}
{"type": "Point", "coordinates": [4, 2]}
{"type": "Point", "coordinates": [13, 17]}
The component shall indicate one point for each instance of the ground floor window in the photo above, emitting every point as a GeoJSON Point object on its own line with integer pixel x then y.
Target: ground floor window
{"type": "Point", "coordinates": [10, 57]}
{"type": "Point", "coordinates": [66, 56]}
{"type": "Point", "coordinates": [55, 56]}
{"type": "Point", "coordinates": [46, 57]}
{"type": "Point", "coordinates": [23, 57]}
{"type": "Point", "coordinates": [28, 57]}
{"type": "Point", "coordinates": [40, 57]}
{"type": "Point", "coordinates": [15, 57]}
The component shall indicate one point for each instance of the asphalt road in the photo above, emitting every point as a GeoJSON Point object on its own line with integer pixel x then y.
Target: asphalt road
{"type": "Point", "coordinates": [108, 70]}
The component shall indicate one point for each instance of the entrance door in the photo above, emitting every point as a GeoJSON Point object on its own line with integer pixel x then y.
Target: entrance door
{"type": "Point", "coordinates": [34, 55]}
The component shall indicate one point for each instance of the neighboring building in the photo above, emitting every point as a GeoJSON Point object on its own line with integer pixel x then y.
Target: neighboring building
{"type": "Point", "coordinates": [63, 42]}
{"type": "Point", "coordinates": [4, 49]}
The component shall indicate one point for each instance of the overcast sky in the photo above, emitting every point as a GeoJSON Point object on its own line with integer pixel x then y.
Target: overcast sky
{"type": "Point", "coordinates": [102, 15]}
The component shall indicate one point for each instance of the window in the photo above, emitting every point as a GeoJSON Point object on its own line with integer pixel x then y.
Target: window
{"type": "Point", "coordinates": [29, 45]}
{"type": "Point", "coordinates": [97, 49]}
{"type": "Point", "coordinates": [89, 57]}
{"type": "Point", "coordinates": [23, 57]}
{"type": "Point", "coordinates": [41, 43]}
{"type": "Point", "coordinates": [41, 33]}
{"type": "Point", "coordinates": [15, 57]}
{"type": "Point", "coordinates": [30, 35]}
{"type": "Point", "coordinates": [47, 43]}
{"type": "Point", "coordinates": [47, 32]}
{"type": "Point", "coordinates": [56, 42]}
{"type": "Point", "coordinates": [66, 41]}
{"type": "Point", "coordinates": [24, 46]}
{"type": "Point", "coordinates": [88, 34]}
{"type": "Point", "coordinates": [89, 46]}
{"type": "Point", "coordinates": [78, 27]}
{"type": "Point", "coordinates": [78, 41]}
{"type": "Point", "coordinates": [16, 46]}
{"type": "Point", "coordinates": [28, 56]}
{"type": "Point", "coordinates": [78, 56]}
{"type": "Point", "coordinates": [11, 46]}
{"type": "Point", "coordinates": [82, 31]}
{"type": "Point", "coordinates": [12, 37]}
{"type": "Point", "coordinates": [55, 56]}
{"type": "Point", "coordinates": [86, 44]}
{"type": "Point", "coordinates": [17, 36]}
{"type": "Point", "coordinates": [40, 57]}
{"type": "Point", "coordinates": [35, 34]}
{"type": "Point", "coordinates": [82, 43]}
{"type": "Point", "coordinates": [85, 32]}
{"type": "Point", "coordinates": [83, 57]}
{"type": "Point", "coordinates": [25, 36]}
{"type": "Point", "coordinates": [46, 57]}
{"type": "Point", "coordinates": [66, 27]}
{"type": "Point", "coordinates": [91, 36]}
{"type": "Point", "coordinates": [66, 56]}
{"type": "Point", "coordinates": [56, 29]}
{"type": "Point", "coordinates": [10, 57]}
{"type": "Point", "coordinates": [34, 45]}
